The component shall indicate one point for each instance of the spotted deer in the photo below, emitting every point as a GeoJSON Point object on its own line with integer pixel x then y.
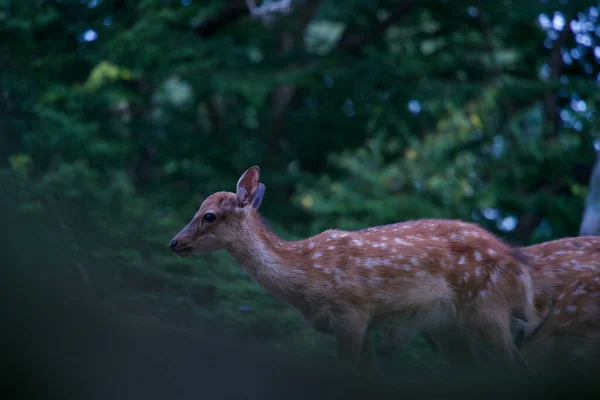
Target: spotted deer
{"type": "Point", "coordinates": [443, 275]}
{"type": "Point", "coordinates": [553, 265]}
{"type": "Point", "coordinates": [571, 332]}
{"type": "Point", "coordinates": [558, 262]}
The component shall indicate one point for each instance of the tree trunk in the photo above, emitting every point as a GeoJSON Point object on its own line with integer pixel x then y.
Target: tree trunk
{"type": "Point", "coordinates": [590, 223]}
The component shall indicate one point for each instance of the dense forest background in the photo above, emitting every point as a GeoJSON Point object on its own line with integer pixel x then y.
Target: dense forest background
{"type": "Point", "coordinates": [118, 117]}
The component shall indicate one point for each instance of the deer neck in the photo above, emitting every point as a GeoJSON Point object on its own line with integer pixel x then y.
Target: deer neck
{"type": "Point", "coordinates": [268, 259]}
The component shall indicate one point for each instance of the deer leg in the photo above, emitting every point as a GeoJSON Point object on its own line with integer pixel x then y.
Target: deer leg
{"type": "Point", "coordinates": [367, 361]}
{"type": "Point", "coordinates": [491, 340]}
{"type": "Point", "coordinates": [349, 347]}
{"type": "Point", "coordinates": [352, 334]}
{"type": "Point", "coordinates": [429, 338]}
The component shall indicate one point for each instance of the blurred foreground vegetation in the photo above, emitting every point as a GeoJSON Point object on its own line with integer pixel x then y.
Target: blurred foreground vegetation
{"type": "Point", "coordinates": [118, 117]}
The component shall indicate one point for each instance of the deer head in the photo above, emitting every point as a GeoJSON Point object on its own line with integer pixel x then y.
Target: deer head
{"type": "Point", "coordinates": [221, 218]}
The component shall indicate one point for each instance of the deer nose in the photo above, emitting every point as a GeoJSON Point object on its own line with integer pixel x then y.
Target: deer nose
{"type": "Point", "coordinates": [173, 244]}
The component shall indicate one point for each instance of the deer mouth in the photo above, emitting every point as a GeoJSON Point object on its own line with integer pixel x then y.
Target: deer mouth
{"type": "Point", "coordinates": [186, 251]}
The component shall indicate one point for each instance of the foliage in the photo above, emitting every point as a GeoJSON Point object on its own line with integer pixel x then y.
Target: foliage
{"type": "Point", "coordinates": [118, 118]}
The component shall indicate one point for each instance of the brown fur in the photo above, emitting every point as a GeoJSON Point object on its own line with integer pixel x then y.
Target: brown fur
{"type": "Point", "coordinates": [553, 264]}
{"type": "Point", "coordinates": [571, 333]}
{"type": "Point", "coordinates": [558, 262]}
{"type": "Point", "coordinates": [427, 274]}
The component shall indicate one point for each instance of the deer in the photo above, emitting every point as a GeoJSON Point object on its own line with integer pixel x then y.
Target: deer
{"type": "Point", "coordinates": [557, 262]}
{"type": "Point", "coordinates": [553, 264]}
{"type": "Point", "coordinates": [571, 332]}
{"type": "Point", "coordinates": [449, 276]}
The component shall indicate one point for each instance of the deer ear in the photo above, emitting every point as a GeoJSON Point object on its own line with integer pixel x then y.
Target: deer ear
{"type": "Point", "coordinates": [248, 187]}
{"type": "Point", "coordinates": [259, 196]}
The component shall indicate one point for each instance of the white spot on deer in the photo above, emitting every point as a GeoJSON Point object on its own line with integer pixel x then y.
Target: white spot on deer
{"type": "Point", "coordinates": [483, 293]}
{"type": "Point", "coordinates": [311, 245]}
{"type": "Point", "coordinates": [384, 238]}
{"type": "Point", "coordinates": [369, 263]}
{"type": "Point", "coordinates": [333, 235]}
{"type": "Point", "coordinates": [561, 296]}
{"type": "Point", "coordinates": [375, 244]}
{"type": "Point", "coordinates": [317, 266]}
{"type": "Point", "coordinates": [394, 250]}
{"type": "Point", "coordinates": [469, 294]}
{"type": "Point", "coordinates": [421, 274]}
{"type": "Point", "coordinates": [316, 255]}
{"type": "Point", "coordinates": [327, 270]}
{"type": "Point", "coordinates": [357, 242]}
{"type": "Point", "coordinates": [492, 252]}
{"type": "Point", "coordinates": [571, 308]}
{"type": "Point", "coordinates": [339, 280]}
{"type": "Point", "coordinates": [466, 276]}
{"type": "Point", "coordinates": [414, 261]}
{"type": "Point", "coordinates": [557, 311]}
{"type": "Point", "coordinates": [478, 256]}
{"type": "Point", "coordinates": [407, 267]}
{"type": "Point", "coordinates": [331, 247]}
{"type": "Point", "coordinates": [478, 271]}
{"type": "Point", "coordinates": [402, 242]}
{"type": "Point", "coordinates": [462, 260]}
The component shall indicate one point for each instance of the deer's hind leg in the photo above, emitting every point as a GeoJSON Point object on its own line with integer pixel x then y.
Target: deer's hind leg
{"type": "Point", "coordinates": [490, 339]}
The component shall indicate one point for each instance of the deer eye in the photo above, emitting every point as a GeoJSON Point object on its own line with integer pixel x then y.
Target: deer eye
{"type": "Point", "coordinates": [209, 217]}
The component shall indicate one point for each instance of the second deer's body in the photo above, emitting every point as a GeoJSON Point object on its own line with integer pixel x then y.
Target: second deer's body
{"type": "Point", "coordinates": [443, 275]}
{"type": "Point", "coordinates": [570, 335]}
